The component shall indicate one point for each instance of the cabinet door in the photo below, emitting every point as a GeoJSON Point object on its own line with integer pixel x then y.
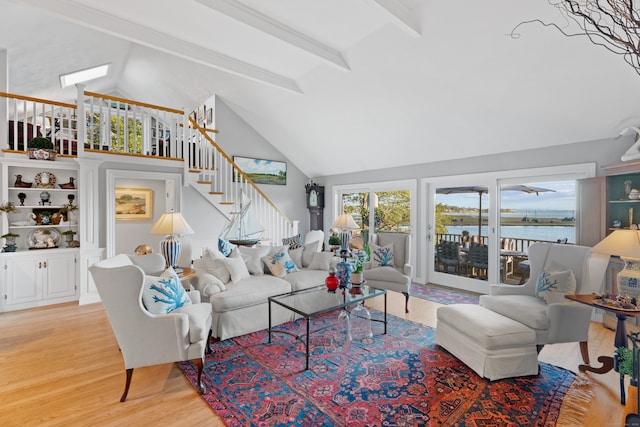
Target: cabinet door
{"type": "Point", "coordinates": [59, 276]}
{"type": "Point", "coordinates": [22, 281]}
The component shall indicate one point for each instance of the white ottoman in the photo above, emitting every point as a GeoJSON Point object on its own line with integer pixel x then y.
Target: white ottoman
{"type": "Point", "coordinates": [491, 344]}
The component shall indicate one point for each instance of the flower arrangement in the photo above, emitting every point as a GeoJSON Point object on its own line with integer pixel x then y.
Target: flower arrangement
{"type": "Point", "coordinates": [7, 207]}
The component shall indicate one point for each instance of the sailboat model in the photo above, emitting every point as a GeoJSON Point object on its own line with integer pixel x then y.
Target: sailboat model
{"type": "Point", "coordinates": [243, 228]}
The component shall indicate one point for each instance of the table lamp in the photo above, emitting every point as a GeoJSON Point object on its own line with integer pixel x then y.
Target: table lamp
{"type": "Point", "coordinates": [171, 224]}
{"type": "Point", "coordinates": [626, 245]}
{"type": "Point", "coordinates": [345, 223]}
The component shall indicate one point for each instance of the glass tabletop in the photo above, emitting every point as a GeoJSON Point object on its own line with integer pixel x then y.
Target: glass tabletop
{"type": "Point", "coordinates": [344, 297]}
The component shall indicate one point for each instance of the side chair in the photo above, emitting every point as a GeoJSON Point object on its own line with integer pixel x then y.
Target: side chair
{"type": "Point", "coordinates": [144, 338]}
{"type": "Point", "coordinates": [396, 276]}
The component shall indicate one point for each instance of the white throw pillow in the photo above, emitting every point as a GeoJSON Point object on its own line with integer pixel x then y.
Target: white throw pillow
{"type": "Point", "coordinates": [296, 256]}
{"type": "Point", "coordinates": [253, 258]}
{"type": "Point", "coordinates": [280, 264]}
{"type": "Point", "coordinates": [237, 269]}
{"type": "Point", "coordinates": [321, 261]}
{"type": "Point", "coordinates": [552, 286]}
{"type": "Point", "coordinates": [309, 249]}
{"type": "Point", "coordinates": [163, 294]}
{"type": "Point", "coordinates": [381, 256]}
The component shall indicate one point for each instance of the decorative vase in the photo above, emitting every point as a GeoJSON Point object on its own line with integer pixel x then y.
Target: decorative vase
{"type": "Point", "coordinates": [42, 154]}
{"type": "Point", "coordinates": [45, 219]}
{"type": "Point", "coordinates": [628, 279]}
{"type": "Point", "coordinates": [343, 271]}
{"type": "Point", "coordinates": [332, 281]}
{"type": "Point", "coordinates": [356, 278]}
{"type": "Point", "coordinates": [44, 198]}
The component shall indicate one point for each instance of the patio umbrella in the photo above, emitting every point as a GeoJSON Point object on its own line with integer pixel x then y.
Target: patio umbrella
{"type": "Point", "coordinates": [480, 190]}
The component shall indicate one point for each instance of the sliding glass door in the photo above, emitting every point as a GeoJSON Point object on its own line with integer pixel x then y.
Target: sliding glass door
{"type": "Point", "coordinates": [478, 227]}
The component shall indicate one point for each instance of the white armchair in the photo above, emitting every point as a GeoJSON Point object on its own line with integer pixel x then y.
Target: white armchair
{"type": "Point", "coordinates": [398, 276]}
{"type": "Point", "coordinates": [556, 322]}
{"type": "Point", "coordinates": [144, 338]}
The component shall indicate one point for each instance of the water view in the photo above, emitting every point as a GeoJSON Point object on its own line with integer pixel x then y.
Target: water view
{"type": "Point", "coordinates": [523, 224]}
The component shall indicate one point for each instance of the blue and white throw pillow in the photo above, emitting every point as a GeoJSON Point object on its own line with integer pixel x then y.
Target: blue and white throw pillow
{"type": "Point", "coordinates": [381, 256]}
{"type": "Point", "coordinates": [552, 286]}
{"type": "Point", "coordinates": [163, 294]}
{"type": "Point", "coordinates": [224, 247]}
{"type": "Point", "coordinates": [280, 263]}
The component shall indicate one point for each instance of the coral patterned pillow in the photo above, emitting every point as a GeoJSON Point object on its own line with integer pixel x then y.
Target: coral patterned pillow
{"type": "Point", "coordinates": [381, 256]}
{"type": "Point", "coordinates": [163, 294]}
{"type": "Point", "coordinates": [280, 263]}
{"type": "Point", "coordinates": [552, 286]}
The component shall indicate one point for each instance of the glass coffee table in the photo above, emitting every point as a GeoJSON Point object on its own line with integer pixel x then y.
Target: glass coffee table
{"type": "Point", "coordinates": [350, 300]}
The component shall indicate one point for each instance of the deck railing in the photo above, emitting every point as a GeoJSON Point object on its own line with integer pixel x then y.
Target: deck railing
{"type": "Point", "coordinates": [520, 244]}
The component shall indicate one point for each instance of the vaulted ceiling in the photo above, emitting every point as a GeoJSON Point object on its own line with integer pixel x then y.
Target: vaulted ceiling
{"type": "Point", "coordinates": [338, 85]}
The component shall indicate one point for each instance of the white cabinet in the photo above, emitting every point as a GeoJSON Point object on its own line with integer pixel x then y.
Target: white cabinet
{"type": "Point", "coordinates": [42, 268]}
{"type": "Point", "coordinates": [39, 278]}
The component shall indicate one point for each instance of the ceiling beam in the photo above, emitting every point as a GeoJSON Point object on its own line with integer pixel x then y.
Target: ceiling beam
{"type": "Point", "coordinates": [270, 26]}
{"type": "Point", "coordinates": [401, 16]}
{"type": "Point", "coordinates": [136, 33]}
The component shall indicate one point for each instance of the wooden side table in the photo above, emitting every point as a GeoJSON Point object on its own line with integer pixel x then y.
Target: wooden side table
{"type": "Point", "coordinates": [185, 277]}
{"type": "Point", "coordinates": [620, 340]}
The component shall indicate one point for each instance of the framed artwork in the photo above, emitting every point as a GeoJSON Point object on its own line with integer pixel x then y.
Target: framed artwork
{"type": "Point", "coordinates": [134, 204]}
{"type": "Point", "coordinates": [262, 171]}
{"type": "Point", "coordinates": [201, 113]}
{"type": "Point", "coordinates": [209, 116]}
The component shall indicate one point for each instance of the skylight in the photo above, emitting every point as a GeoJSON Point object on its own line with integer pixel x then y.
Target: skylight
{"type": "Point", "coordinates": [84, 75]}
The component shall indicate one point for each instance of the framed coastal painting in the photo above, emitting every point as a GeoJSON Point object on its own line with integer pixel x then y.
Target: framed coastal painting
{"type": "Point", "coordinates": [134, 204]}
{"type": "Point", "coordinates": [262, 171]}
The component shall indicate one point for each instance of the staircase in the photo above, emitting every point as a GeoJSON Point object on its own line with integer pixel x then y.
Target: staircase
{"type": "Point", "coordinates": [219, 180]}
{"type": "Point", "coordinates": [120, 126]}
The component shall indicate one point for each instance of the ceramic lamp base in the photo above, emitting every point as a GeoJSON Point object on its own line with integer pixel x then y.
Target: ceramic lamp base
{"type": "Point", "coordinates": [170, 248]}
{"type": "Point", "coordinates": [628, 279]}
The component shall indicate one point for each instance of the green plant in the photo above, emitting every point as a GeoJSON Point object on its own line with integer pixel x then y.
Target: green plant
{"type": "Point", "coordinates": [68, 233]}
{"type": "Point", "coordinates": [7, 207]}
{"type": "Point", "coordinates": [70, 207]}
{"type": "Point", "coordinates": [334, 240]}
{"type": "Point", "coordinates": [40, 142]}
{"type": "Point", "coordinates": [46, 232]}
{"type": "Point", "coordinates": [45, 213]}
{"type": "Point", "coordinates": [4, 236]}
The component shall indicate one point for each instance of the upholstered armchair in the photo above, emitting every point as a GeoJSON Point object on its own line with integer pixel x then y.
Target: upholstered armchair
{"type": "Point", "coordinates": [396, 276]}
{"type": "Point", "coordinates": [144, 338]}
{"type": "Point", "coordinates": [555, 320]}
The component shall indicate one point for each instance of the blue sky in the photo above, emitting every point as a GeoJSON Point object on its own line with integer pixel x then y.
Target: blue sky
{"type": "Point", "coordinates": [562, 199]}
{"type": "Point", "coordinates": [259, 166]}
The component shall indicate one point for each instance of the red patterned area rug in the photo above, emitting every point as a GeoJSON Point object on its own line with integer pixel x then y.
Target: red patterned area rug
{"type": "Point", "coordinates": [398, 379]}
{"type": "Point", "coordinates": [440, 295]}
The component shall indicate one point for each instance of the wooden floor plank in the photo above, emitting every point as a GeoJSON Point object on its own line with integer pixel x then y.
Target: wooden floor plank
{"type": "Point", "coordinates": [60, 366]}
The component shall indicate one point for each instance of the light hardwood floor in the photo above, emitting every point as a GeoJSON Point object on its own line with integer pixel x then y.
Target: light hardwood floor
{"type": "Point", "coordinates": [60, 366]}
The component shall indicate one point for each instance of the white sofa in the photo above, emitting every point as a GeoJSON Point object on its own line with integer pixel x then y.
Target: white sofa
{"type": "Point", "coordinates": [240, 304]}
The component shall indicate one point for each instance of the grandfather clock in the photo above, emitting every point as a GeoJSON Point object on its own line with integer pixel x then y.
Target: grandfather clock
{"type": "Point", "coordinates": [315, 204]}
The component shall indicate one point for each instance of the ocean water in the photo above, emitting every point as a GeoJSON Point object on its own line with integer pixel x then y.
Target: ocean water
{"type": "Point", "coordinates": [533, 232]}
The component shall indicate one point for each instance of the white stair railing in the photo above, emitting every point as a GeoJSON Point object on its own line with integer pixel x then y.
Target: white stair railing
{"type": "Point", "coordinates": [220, 180]}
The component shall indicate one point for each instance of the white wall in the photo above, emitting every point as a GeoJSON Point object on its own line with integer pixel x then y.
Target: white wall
{"type": "Point", "coordinates": [130, 234]}
{"type": "Point", "coordinates": [237, 138]}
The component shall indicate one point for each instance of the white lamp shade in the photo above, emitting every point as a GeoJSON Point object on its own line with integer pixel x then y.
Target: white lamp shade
{"type": "Point", "coordinates": [346, 222]}
{"type": "Point", "coordinates": [622, 243]}
{"type": "Point", "coordinates": [171, 223]}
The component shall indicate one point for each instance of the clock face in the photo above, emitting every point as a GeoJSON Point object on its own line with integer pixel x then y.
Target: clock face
{"type": "Point", "coordinates": [313, 198]}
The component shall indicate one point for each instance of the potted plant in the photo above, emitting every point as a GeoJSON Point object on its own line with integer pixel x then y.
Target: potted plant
{"type": "Point", "coordinates": [356, 275]}
{"type": "Point", "coordinates": [334, 242]}
{"type": "Point", "coordinates": [44, 218]}
{"type": "Point", "coordinates": [41, 148]}
{"type": "Point", "coordinates": [7, 207]}
{"type": "Point", "coordinates": [68, 236]}
{"type": "Point", "coordinates": [10, 238]}
{"type": "Point", "coordinates": [67, 209]}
